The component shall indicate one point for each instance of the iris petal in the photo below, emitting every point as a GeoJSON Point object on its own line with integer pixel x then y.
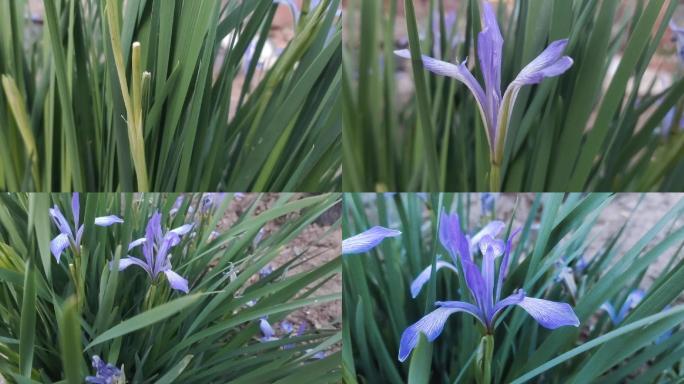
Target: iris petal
{"type": "Point", "coordinates": [452, 238]}
{"type": "Point", "coordinates": [431, 325]}
{"type": "Point", "coordinates": [128, 261]}
{"type": "Point", "coordinates": [75, 208]}
{"type": "Point", "coordinates": [459, 72]}
{"type": "Point", "coordinates": [58, 245]}
{"type": "Point", "coordinates": [60, 221]}
{"type": "Point", "coordinates": [492, 229]}
{"type": "Point", "coordinates": [365, 241]}
{"type": "Point", "coordinates": [550, 314]}
{"type": "Point", "coordinates": [489, 53]}
{"type": "Point", "coordinates": [549, 63]}
{"type": "Point", "coordinates": [424, 276]}
{"type": "Point", "coordinates": [106, 221]}
{"type": "Point", "coordinates": [136, 243]}
{"type": "Point", "coordinates": [183, 229]}
{"type": "Point", "coordinates": [176, 281]}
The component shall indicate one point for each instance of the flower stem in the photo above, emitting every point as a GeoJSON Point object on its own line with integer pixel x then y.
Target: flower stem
{"type": "Point", "coordinates": [495, 178]}
{"type": "Point", "coordinates": [149, 301]}
{"type": "Point", "coordinates": [485, 354]}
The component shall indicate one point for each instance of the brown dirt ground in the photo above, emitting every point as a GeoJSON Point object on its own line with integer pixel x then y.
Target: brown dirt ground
{"type": "Point", "coordinates": [316, 244]}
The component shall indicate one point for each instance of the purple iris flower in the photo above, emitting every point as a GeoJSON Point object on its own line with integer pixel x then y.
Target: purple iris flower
{"type": "Point", "coordinates": [491, 229]}
{"type": "Point", "coordinates": [211, 201]}
{"type": "Point", "coordinates": [66, 237]}
{"type": "Point", "coordinates": [156, 246]}
{"type": "Point", "coordinates": [265, 271]}
{"type": "Point", "coordinates": [176, 205]}
{"type": "Point", "coordinates": [266, 330]}
{"type": "Point", "coordinates": [484, 290]}
{"type": "Point", "coordinates": [496, 110]}
{"type": "Point", "coordinates": [632, 300]}
{"type": "Point", "coordinates": [105, 373]}
{"type": "Point", "coordinates": [365, 241]}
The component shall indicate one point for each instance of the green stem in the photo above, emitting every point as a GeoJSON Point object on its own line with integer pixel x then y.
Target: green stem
{"type": "Point", "coordinates": [495, 178]}
{"type": "Point", "coordinates": [485, 354]}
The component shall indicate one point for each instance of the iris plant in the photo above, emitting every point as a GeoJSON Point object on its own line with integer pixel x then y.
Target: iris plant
{"type": "Point", "coordinates": [71, 236]}
{"type": "Point", "coordinates": [367, 240]}
{"type": "Point", "coordinates": [156, 247]}
{"type": "Point", "coordinates": [496, 110]}
{"type": "Point", "coordinates": [485, 290]}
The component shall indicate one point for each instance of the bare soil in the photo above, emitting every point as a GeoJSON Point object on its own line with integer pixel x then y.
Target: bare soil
{"type": "Point", "coordinates": [318, 243]}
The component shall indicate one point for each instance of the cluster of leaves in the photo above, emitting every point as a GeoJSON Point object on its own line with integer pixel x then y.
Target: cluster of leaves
{"type": "Point", "coordinates": [51, 328]}
{"type": "Point", "coordinates": [113, 95]}
{"type": "Point", "coordinates": [589, 129]}
{"type": "Point", "coordinates": [550, 260]}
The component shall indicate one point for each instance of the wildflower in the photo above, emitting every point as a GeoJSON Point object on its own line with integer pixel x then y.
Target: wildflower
{"type": "Point", "coordinates": [266, 330]}
{"type": "Point", "coordinates": [105, 373]}
{"type": "Point", "coordinates": [257, 239]}
{"type": "Point", "coordinates": [156, 247]}
{"type": "Point", "coordinates": [66, 237]}
{"type": "Point", "coordinates": [495, 110]}
{"type": "Point", "coordinates": [286, 326]}
{"type": "Point", "coordinates": [365, 241]}
{"type": "Point", "coordinates": [265, 271]}
{"type": "Point", "coordinates": [176, 205]}
{"type": "Point", "coordinates": [212, 236]}
{"type": "Point", "coordinates": [211, 201]}
{"type": "Point", "coordinates": [632, 300]}
{"type": "Point", "coordinates": [482, 286]}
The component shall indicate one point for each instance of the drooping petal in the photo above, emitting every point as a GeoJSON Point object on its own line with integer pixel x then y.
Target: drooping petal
{"type": "Point", "coordinates": [183, 229]}
{"type": "Point", "coordinates": [459, 72]}
{"type": "Point", "coordinates": [59, 244]}
{"type": "Point", "coordinates": [489, 53]}
{"type": "Point", "coordinates": [106, 221]}
{"type": "Point", "coordinates": [75, 208]}
{"type": "Point", "coordinates": [549, 314]}
{"type": "Point", "coordinates": [365, 241]}
{"type": "Point", "coordinates": [136, 243]}
{"type": "Point", "coordinates": [452, 238]}
{"type": "Point", "coordinates": [431, 325]}
{"type": "Point", "coordinates": [465, 307]}
{"type": "Point", "coordinates": [176, 281]}
{"type": "Point", "coordinates": [424, 276]}
{"type": "Point", "coordinates": [610, 310]}
{"type": "Point", "coordinates": [266, 328]}
{"type": "Point", "coordinates": [128, 261]}
{"type": "Point", "coordinates": [492, 229]}
{"type": "Point", "coordinates": [549, 63]}
{"type": "Point", "coordinates": [60, 221]}
{"type": "Point", "coordinates": [513, 299]}
{"type": "Point", "coordinates": [632, 300]}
